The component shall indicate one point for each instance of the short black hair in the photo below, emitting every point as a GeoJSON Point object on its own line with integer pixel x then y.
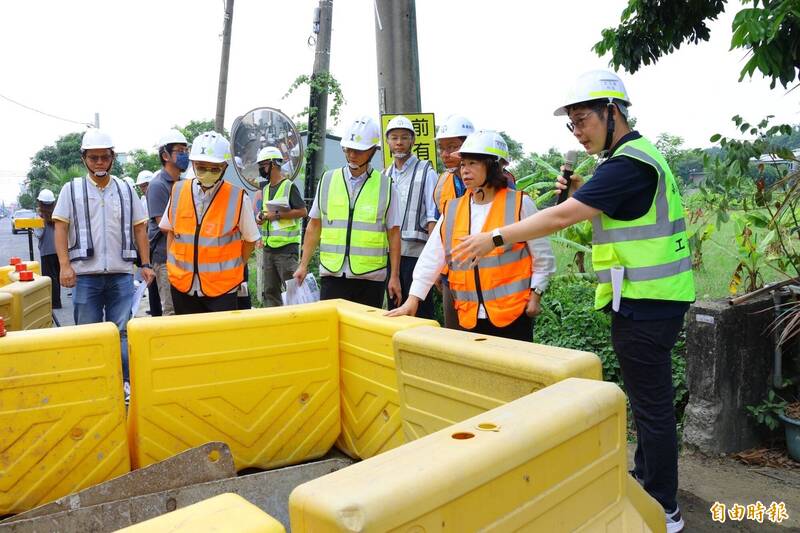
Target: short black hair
{"type": "Point", "coordinates": [167, 148]}
{"type": "Point", "coordinates": [598, 106]}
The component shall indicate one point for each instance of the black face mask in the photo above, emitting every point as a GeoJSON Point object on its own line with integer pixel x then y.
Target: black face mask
{"type": "Point", "coordinates": [265, 172]}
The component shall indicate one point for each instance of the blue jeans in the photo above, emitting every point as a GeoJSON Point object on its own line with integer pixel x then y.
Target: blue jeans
{"type": "Point", "coordinates": [105, 296]}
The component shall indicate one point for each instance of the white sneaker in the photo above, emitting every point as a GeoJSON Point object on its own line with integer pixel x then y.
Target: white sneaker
{"type": "Point", "coordinates": [674, 521]}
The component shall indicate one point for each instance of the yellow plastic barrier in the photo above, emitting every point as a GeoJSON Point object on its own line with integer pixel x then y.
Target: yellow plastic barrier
{"type": "Point", "coordinates": [554, 460]}
{"type": "Point", "coordinates": [371, 421]}
{"type": "Point", "coordinates": [7, 269]}
{"type": "Point", "coordinates": [61, 412]}
{"type": "Point", "coordinates": [226, 512]}
{"type": "Point", "coordinates": [263, 381]}
{"type": "Point", "coordinates": [31, 306]}
{"type": "Point", "coordinates": [6, 307]}
{"type": "Point", "coordinates": [446, 376]}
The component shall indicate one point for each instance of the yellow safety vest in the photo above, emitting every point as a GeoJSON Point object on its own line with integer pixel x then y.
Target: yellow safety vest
{"type": "Point", "coordinates": [278, 233]}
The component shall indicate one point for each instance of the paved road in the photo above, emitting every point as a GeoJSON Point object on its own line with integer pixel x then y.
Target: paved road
{"type": "Point", "coordinates": [17, 246]}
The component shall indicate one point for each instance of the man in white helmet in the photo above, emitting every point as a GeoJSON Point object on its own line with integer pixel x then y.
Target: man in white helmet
{"type": "Point", "coordinates": [173, 152]}
{"type": "Point", "coordinates": [143, 179]}
{"type": "Point", "coordinates": [46, 202]}
{"type": "Point", "coordinates": [281, 219]}
{"type": "Point", "coordinates": [211, 232]}
{"type": "Point", "coordinates": [415, 181]}
{"type": "Point", "coordinates": [641, 257]}
{"type": "Point", "coordinates": [449, 186]}
{"type": "Point", "coordinates": [99, 226]}
{"type": "Point", "coordinates": [355, 221]}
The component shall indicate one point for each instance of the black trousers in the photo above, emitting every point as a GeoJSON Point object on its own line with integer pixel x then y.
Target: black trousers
{"type": "Point", "coordinates": [407, 264]}
{"type": "Point", "coordinates": [644, 349]}
{"type": "Point", "coordinates": [188, 305]}
{"type": "Point", "coordinates": [154, 299]}
{"type": "Point", "coordinates": [521, 329]}
{"type": "Point", "coordinates": [356, 290]}
{"type": "Point", "coordinates": [52, 269]}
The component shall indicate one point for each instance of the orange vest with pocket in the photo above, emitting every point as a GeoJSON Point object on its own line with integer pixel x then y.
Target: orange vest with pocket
{"type": "Point", "coordinates": [210, 248]}
{"type": "Point", "coordinates": [502, 279]}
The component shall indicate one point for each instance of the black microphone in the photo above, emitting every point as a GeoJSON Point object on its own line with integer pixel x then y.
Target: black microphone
{"type": "Point", "coordinates": [569, 163]}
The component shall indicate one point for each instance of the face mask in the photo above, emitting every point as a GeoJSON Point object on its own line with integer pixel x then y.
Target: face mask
{"type": "Point", "coordinates": [264, 173]}
{"type": "Point", "coordinates": [354, 166]}
{"type": "Point", "coordinates": [182, 161]}
{"type": "Point", "coordinates": [208, 178]}
{"type": "Point", "coordinates": [100, 174]}
{"type": "Point", "coordinates": [401, 155]}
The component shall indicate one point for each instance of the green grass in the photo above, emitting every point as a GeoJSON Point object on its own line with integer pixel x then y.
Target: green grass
{"type": "Point", "coordinates": [711, 279]}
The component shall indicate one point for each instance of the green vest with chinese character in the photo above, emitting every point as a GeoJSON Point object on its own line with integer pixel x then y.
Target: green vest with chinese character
{"type": "Point", "coordinates": [653, 249]}
{"type": "Point", "coordinates": [277, 233]}
{"type": "Point", "coordinates": [356, 229]}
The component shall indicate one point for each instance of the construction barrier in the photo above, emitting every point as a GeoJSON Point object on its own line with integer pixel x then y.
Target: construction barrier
{"type": "Point", "coordinates": [31, 304]}
{"type": "Point", "coordinates": [371, 422]}
{"type": "Point", "coordinates": [446, 376]}
{"type": "Point", "coordinates": [263, 381]}
{"type": "Point", "coordinates": [226, 512]}
{"type": "Point", "coordinates": [61, 412]}
{"type": "Point", "coordinates": [29, 223]}
{"type": "Point", "coordinates": [8, 269]}
{"type": "Point", "coordinates": [6, 306]}
{"type": "Point", "coordinates": [554, 460]}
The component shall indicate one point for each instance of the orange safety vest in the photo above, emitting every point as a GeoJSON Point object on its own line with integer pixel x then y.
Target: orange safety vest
{"type": "Point", "coordinates": [210, 249]}
{"type": "Point", "coordinates": [444, 191]}
{"type": "Point", "coordinates": [502, 279]}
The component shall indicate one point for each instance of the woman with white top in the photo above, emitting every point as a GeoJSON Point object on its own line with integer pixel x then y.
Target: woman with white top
{"type": "Point", "coordinates": [501, 295]}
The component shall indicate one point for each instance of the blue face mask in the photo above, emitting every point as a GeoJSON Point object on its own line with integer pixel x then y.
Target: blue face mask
{"type": "Point", "coordinates": [182, 161]}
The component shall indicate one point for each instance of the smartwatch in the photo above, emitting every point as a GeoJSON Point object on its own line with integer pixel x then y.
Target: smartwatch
{"type": "Point", "coordinates": [147, 265]}
{"type": "Point", "coordinates": [497, 238]}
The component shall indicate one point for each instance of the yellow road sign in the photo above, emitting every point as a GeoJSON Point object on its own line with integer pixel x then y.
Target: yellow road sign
{"type": "Point", "coordinates": [424, 143]}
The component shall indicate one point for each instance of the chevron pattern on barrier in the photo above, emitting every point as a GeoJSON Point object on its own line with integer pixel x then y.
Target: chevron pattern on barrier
{"type": "Point", "coordinates": [62, 413]}
{"type": "Point", "coordinates": [263, 381]}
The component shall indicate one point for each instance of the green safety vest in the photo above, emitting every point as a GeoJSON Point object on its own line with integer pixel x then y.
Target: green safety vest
{"type": "Point", "coordinates": [283, 231]}
{"type": "Point", "coordinates": [654, 248]}
{"type": "Point", "coordinates": [354, 229]}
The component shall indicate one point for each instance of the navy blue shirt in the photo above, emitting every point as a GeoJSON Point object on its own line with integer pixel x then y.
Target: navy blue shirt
{"type": "Point", "coordinates": [623, 188]}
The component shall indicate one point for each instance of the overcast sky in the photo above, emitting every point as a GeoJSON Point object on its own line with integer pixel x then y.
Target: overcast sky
{"type": "Point", "coordinates": [148, 65]}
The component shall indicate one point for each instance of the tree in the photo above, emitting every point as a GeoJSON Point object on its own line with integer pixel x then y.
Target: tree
{"type": "Point", "coordinates": [649, 30]}
{"type": "Point", "coordinates": [515, 152]}
{"type": "Point", "coordinates": [139, 160]}
{"type": "Point", "coordinates": [26, 201]}
{"type": "Point", "coordinates": [195, 127]}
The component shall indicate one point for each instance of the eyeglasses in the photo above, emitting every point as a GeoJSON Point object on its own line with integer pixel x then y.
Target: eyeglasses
{"type": "Point", "coordinates": [99, 158]}
{"type": "Point", "coordinates": [397, 138]}
{"type": "Point", "coordinates": [578, 122]}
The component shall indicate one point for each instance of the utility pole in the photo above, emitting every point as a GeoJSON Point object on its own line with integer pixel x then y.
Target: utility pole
{"type": "Point", "coordinates": [97, 120]}
{"type": "Point", "coordinates": [398, 56]}
{"type": "Point", "coordinates": [219, 120]}
{"type": "Point", "coordinates": [318, 102]}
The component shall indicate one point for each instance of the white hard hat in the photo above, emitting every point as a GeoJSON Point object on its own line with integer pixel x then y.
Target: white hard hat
{"type": "Point", "coordinates": [455, 126]}
{"type": "Point", "coordinates": [46, 196]}
{"type": "Point", "coordinates": [173, 136]}
{"type": "Point", "coordinates": [145, 176]}
{"type": "Point", "coordinates": [486, 143]}
{"type": "Point", "coordinates": [94, 138]}
{"type": "Point", "coordinates": [210, 147]}
{"type": "Point", "coordinates": [363, 134]}
{"type": "Point", "coordinates": [596, 85]}
{"type": "Point", "coordinates": [399, 123]}
{"type": "Point", "coordinates": [269, 153]}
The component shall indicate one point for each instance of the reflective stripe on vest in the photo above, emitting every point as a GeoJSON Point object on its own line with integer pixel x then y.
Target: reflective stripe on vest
{"type": "Point", "coordinates": [444, 191]}
{"type": "Point", "coordinates": [354, 229]}
{"type": "Point", "coordinates": [278, 233]}
{"type": "Point", "coordinates": [80, 226]}
{"type": "Point", "coordinates": [653, 248]}
{"type": "Point", "coordinates": [415, 218]}
{"type": "Point", "coordinates": [502, 279]}
{"type": "Point", "coordinates": [210, 249]}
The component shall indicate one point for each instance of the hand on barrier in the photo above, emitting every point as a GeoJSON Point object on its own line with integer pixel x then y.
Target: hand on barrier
{"type": "Point", "coordinates": [300, 274]}
{"type": "Point", "coordinates": [67, 276]}
{"type": "Point", "coordinates": [407, 309]}
{"type": "Point", "coordinates": [394, 290]}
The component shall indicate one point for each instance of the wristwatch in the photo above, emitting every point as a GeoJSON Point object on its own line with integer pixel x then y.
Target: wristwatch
{"type": "Point", "coordinates": [537, 291]}
{"type": "Point", "coordinates": [497, 237]}
{"type": "Point", "coordinates": [147, 265]}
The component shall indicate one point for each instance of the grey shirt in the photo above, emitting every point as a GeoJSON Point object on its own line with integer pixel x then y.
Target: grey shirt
{"type": "Point", "coordinates": [158, 193]}
{"type": "Point", "coordinates": [402, 178]}
{"type": "Point", "coordinates": [46, 236]}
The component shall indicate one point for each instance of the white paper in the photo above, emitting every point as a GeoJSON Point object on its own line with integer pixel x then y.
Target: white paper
{"type": "Point", "coordinates": [306, 293]}
{"type": "Point", "coordinates": [137, 297]}
{"type": "Point", "coordinates": [617, 275]}
{"type": "Point", "coordinates": [280, 204]}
